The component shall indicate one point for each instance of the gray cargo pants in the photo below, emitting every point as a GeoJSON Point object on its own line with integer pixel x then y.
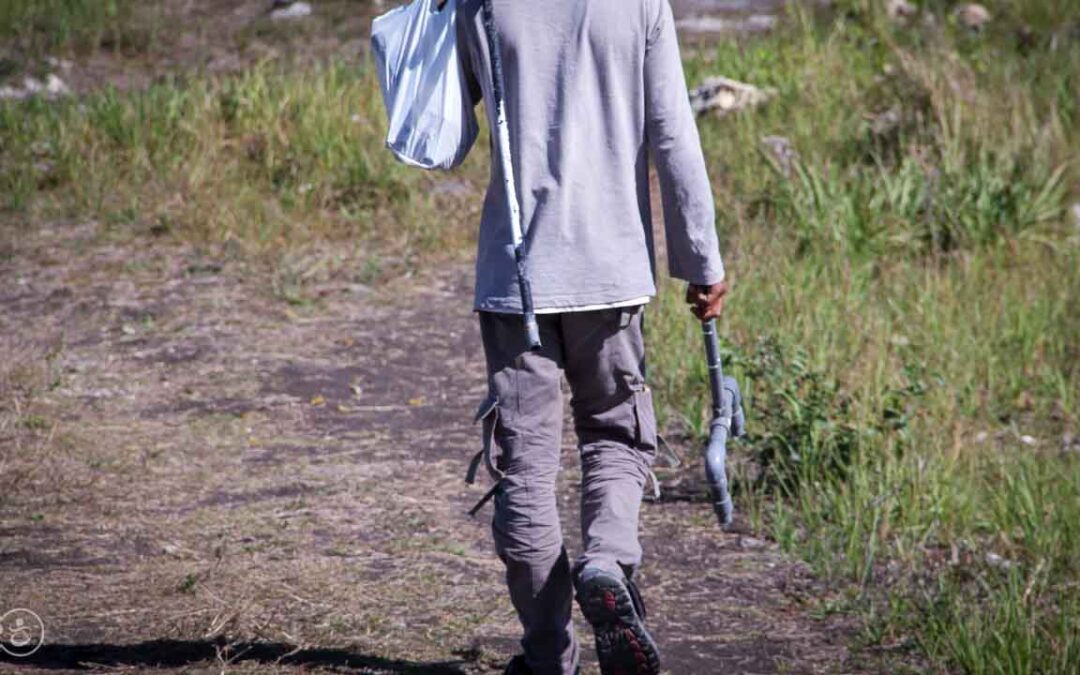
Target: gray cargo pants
{"type": "Point", "coordinates": [602, 354]}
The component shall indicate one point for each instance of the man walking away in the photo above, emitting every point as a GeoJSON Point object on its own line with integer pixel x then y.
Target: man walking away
{"type": "Point", "coordinates": [592, 89]}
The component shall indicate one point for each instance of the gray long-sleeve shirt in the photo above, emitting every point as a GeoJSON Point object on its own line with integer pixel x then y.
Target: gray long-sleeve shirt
{"type": "Point", "coordinates": [593, 87]}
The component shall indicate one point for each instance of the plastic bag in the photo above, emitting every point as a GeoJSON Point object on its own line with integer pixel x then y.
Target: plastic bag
{"type": "Point", "coordinates": [432, 122]}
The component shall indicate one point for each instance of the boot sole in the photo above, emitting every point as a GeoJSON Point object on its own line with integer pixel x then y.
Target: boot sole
{"type": "Point", "coordinates": [623, 646]}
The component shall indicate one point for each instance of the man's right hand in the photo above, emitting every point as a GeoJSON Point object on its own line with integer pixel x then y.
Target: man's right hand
{"type": "Point", "coordinates": [706, 302]}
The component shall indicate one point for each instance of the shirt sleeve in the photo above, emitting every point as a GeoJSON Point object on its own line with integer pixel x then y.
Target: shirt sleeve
{"type": "Point", "coordinates": [689, 213]}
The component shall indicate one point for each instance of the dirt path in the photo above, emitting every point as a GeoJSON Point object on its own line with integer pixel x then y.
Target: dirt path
{"type": "Point", "coordinates": [203, 474]}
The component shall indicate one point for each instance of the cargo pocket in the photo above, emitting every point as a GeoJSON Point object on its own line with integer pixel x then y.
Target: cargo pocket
{"type": "Point", "coordinates": [644, 420]}
{"type": "Point", "coordinates": [488, 416]}
{"type": "Point", "coordinates": [645, 436]}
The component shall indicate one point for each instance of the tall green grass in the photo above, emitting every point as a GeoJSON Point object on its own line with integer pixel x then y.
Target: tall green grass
{"type": "Point", "coordinates": [40, 25]}
{"type": "Point", "coordinates": [266, 159]}
{"type": "Point", "coordinates": [904, 319]}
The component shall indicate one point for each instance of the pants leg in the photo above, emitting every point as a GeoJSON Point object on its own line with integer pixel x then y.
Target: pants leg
{"type": "Point", "coordinates": [616, 427]}
{"type": "Point", "coordinates": [528, 538]}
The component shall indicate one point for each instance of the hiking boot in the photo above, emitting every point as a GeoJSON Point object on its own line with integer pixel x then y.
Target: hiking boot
{"type": "Point", "coordinates": [613, 606]}
{"type": "Point", "coordinates": [517, 666]}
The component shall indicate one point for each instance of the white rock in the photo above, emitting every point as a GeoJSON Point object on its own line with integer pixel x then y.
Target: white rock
{"type": "Point", "coordinates": [1076, 215]}
{"type": "Point", "coordinates": [1070, 444]}
{"type": "Point", "coordinates": [1029, 440]}
{"type": "Point", "coordinates": [296, 10]}
{"type": "Point", "coordinates": [32, 85]}
{"type": "Point", "coordinates": [723, 95]}
{"type": "Point", "coordinates": [172, 549]}
{"type": "Point", "coordinates": [751, 543]}
{"type": "Point", "coordinates": [54, 86]}
{"type": "Point", "coordinates": [973, 16]}
{"type": "Point", "coordinates": [998, 562]}
{"type": "Point", "coordinates": [899, 10]}
{"type": "Point", "coordinates": [59, 64]}
{"type": "Point", "coordinates": [782, 151]}
{"type": "Point", "coordinates": [886, 122]}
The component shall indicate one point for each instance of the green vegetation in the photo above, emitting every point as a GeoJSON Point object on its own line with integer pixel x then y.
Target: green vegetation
{"type": "Point", "coordinates": [261, 161]}
{"type": "Point", "coordinates": [904, 315]}
{"type": "Point", "coordinates": [37, 25]}
{"type": "Point", "coordinates": [905, 322]}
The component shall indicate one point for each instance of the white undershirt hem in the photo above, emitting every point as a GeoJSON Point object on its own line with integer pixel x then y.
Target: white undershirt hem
{"type": "Point", "coordinates": [633, 302]}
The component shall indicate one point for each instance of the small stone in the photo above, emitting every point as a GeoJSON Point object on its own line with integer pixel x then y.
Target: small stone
{"type": "Point", "coordinates": [1076, 215]}
{"type": "Point", "coordinates": [884, 123]}
{"type": "Point", "coordinates": [1070, 444]}
{"type": "Point", "coordinates": [900, 10]}
{"type": "Point", "coordinates": [54, 86]}
{"type": "Point", "coordinates": [172, 549]}
{"type": "Point", "coordinates": [59, 64]}
{"type": "Point", "coordinates": [295, 10]}
{"type": "Point", "coordinates": [900, 341]}
{"type": "Point", "coordinates": [752, 544]}
{"type": "Point", "coordinates": [783, 152]}
{"type": "Point", "coordinates": [1029, 440]}
{"type": "Point", "coordinates": [32, 85]}
{"type": "Point", "coordinates": [973, 16]}
{"type": "Point", "coordinates": [998, 562]}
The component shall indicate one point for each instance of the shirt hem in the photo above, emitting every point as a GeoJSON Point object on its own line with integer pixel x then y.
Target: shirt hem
{"type": "Point", "coordinates": [513, 305]}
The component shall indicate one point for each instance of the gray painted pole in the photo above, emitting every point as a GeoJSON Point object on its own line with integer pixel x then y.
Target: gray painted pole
{"type": "Point", "coordinates": [727, 421]}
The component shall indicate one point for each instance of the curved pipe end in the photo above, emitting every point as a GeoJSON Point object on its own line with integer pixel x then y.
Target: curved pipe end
{"type": "Point", "coordinates": [716, 472]}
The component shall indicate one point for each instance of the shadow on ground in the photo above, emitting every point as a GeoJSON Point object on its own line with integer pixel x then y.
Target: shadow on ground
{"type": "Point", "coordinates": [178, 653]}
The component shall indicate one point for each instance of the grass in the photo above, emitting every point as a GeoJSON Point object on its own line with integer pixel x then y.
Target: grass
{"type": "Point", "coordinates": [262, 162]}
{"type": "Point", "coordinates": [41, 25]}
{"type": "Point", "coordinates": [904, 319]}
{"type": "Point", "coordinates": [904, 309]}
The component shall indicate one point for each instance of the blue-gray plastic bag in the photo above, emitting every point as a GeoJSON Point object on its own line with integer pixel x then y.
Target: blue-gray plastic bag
{"type": "Point", "coordinates": [432, 122]}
